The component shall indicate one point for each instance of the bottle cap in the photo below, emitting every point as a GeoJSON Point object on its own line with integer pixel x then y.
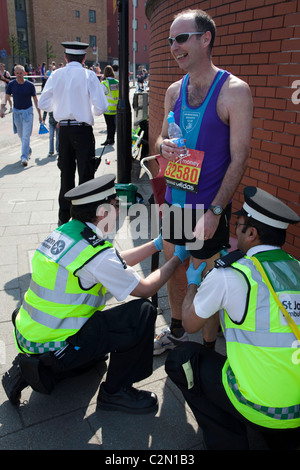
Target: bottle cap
{"type": "Point", "coordinates": [171, 117]}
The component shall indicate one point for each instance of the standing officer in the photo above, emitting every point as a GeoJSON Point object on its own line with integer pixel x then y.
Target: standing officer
{"type": "Point", "coordinates": [73, 93]}
{"type": "Point", "coordinates": [111, 89]}
{"type": "Point", "coordinates": [62, 326]}
{"type": "Point", "coordinates": [257, 290]}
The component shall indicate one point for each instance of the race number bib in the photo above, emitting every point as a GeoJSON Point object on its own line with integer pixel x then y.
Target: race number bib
{"type": "Point", "coordinates": [184, 173]}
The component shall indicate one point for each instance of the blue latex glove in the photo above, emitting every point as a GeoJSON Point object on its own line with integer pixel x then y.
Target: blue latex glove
{"type": "Point", "coordinates": [158, 242]}
{"type": "Point", "coordinates": [194, 275]}
{"type": "Point", "coordinates": [181, 252]}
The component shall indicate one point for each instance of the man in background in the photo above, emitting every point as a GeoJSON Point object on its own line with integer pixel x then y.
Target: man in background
{"type": "Point", "coordinates": [74, 94]}
{"type": "Point", "coordinates": [23, 93]}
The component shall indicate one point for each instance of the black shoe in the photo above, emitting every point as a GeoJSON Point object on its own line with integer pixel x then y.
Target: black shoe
{"type": "Point", "coordinates": [13, 382]}
{"type": "Point", "coordinates": [108, 142]}
{"type": "Point", "coordinates": [128, 399]}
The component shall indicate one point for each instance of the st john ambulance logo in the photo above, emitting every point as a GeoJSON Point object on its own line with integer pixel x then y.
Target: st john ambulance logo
{"type": "Point", "coordinates": [58, 247]}
{"type": "Point", "coordinates": [55, 245]}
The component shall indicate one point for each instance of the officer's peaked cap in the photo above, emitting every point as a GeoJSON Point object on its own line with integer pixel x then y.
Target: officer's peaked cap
{"type": "Point", "coordinates": [92, 191]}
{"type": "Point", "coordinates": [75, 47]}
{"type": "Point", "coordinates": [267, 209]}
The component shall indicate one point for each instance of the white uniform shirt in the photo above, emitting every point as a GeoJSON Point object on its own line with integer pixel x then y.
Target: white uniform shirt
{"type": "Point", "coordinates": [73, 92]}
{"type": "Point", "coordinates": [108, 269]}
{"type": "Point", "coordinates": [225, 288]}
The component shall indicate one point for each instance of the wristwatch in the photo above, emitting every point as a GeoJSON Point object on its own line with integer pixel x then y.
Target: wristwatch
{"type": "Point", "coordinates": [217, 210]}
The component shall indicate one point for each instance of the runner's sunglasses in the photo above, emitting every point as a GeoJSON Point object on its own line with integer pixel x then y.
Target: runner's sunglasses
{"type": "Point", "coordinates": [182, 38]}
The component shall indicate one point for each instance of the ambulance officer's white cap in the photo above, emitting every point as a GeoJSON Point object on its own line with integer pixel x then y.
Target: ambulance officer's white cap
{"type": "Point", "coordinates": [95, 190]}
{"type": "Point", "coordinates": [75, 47]}
{"type": "Point", "coordinates": [267, 209]}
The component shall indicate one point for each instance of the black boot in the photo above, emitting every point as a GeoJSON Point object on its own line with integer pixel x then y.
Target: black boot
{"type": "Point", "coordinates": [127, 399]}
{"type": "Point", "coordinates": [13, 381]}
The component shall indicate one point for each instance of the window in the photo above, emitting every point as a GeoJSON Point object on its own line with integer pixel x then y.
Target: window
{"type": "Point", "coordinates": [92, 16]}
{"type": "Point", "coordinates": [93, 41]}
{"type": "Point", "coordinates": [78, 39]}
{"type": "Point", "coordinates": [20, 5]}
{"type": "Point", "coordinates": [77, 13]}
{"type": "Point", "coordinates": [22, 35]}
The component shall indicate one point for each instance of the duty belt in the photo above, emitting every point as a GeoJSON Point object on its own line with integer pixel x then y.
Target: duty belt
{"type": "Point", "coordinates": [72, 122]}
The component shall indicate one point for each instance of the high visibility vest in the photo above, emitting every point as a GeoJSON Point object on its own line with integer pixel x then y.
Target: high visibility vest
{"type": "Point", "coordinates": [112, 95]}
{"type": "Point", "coordinates": [261, 375]}
{"type": "Point", "coordinates": [56, 306]}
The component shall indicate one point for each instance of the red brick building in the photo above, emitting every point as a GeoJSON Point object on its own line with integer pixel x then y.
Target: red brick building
{"type": "Point", "coordinates": [258, 41]}
{"type": "Point", "coordinates": [38, 22]}
{"type": "Point", "coordinates": [138, 29]}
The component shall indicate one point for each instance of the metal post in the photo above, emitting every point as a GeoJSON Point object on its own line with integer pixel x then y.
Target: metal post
{"type": "Point", "coordinates": [124, 126]}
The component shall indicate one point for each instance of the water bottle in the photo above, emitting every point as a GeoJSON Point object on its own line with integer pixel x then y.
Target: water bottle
{"type": "Point", "coordinates": [174, 132]}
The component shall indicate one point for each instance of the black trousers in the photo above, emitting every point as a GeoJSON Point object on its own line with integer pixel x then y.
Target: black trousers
{"type": "Point", "coordinates": [223, 427]}
{"type": "Point", "coordinates": [125, 331]}
{"type": "Point", "coordinates": [110, 120]}
{"type": "Point", "coordinates": [76, 148]}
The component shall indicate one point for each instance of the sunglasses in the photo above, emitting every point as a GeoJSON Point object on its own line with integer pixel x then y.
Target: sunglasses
{"type": "Point", "coordinates": [114, 201]}
{"type": "Point", "coordinates": [182, 38]}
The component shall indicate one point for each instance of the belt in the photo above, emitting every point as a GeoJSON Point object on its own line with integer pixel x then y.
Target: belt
{"type": "Point", "coordinates": [72, 122]}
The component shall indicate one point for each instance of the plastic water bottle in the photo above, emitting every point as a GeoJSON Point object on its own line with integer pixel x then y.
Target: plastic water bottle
{"type": "Point", "coordinates": [174, 132]}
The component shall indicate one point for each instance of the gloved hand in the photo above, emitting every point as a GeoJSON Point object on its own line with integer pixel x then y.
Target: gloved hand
{"type": "Point", "coordinates": [158, 242]}
{"type": "Point", "coordinates": [194, 275]}
{"type": "Point", "coordinates": [181, 252]}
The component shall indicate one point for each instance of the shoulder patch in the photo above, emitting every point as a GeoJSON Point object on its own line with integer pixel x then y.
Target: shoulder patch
{"type": "Point", "coordinates": [228, 259]}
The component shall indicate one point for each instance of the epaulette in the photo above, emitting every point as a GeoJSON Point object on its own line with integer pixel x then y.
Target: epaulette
{"type": "Point", "coordinates": [228, 259]}
{"type": "Point", "coordinates": [91, 237]}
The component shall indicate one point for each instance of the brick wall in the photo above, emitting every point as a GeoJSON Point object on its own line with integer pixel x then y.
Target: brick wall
{"type": "Point", "coordinates": [258, 41]}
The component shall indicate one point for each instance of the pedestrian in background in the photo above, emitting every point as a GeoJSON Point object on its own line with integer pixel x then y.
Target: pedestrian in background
{"type": "Point", "coordinates": [111, 90]}
{"type": "Point", "coordinates": [5, 78]}
{"type": "Point", "coordinates": [53, 133]}
{"type": "Point", "coordinates": [23, 92]}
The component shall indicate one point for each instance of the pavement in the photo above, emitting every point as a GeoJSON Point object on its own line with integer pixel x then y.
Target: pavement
{"type": "Point", "coordinates": [68, 419]}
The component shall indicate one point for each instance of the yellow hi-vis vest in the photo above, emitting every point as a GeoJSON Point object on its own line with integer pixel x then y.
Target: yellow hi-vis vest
{"type": "Point", "coordinates": [112, 94]}
{"type": "Point", "coordinates": [56, 306]}
{"type": "Point", "coordinates": [261, 375]}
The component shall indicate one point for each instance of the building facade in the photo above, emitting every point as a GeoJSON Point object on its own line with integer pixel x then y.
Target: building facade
{"type": "Point", "coordinates": [138, 33]}
{"type": "Point", "coordinates": [39, 26]}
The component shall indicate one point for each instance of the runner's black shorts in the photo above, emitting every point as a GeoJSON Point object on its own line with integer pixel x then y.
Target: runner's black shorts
{"type": "Point", "coordinates": [178, 226]}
